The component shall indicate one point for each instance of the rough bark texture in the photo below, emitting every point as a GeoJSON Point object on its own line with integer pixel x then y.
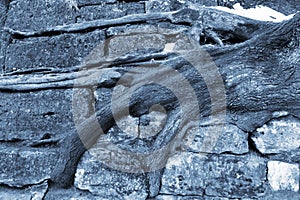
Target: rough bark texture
{"type": "Point", "coordinates": [66, 67]}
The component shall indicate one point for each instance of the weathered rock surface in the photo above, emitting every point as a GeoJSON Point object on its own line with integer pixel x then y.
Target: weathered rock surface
{"type": "Point", "coordinates": [3, 36]}
{"type": "Point", "coordinates": [68, 194]}
{"type": "Point", "coordinates": [106, 183]}
{"type": "Point", "coordinates": [278, 135]}
{"type": "Point", "coordinates": [35, 192]}
{"type": "Point", "coordinates": [231, 139]}
{"type": "Point", "coordinates": [48, 38]}
{"type": "Point", "coordinates": [271, 196]}
{"type": "Point", "coordinates": [172, 5]}
{"type": "Point", "coordinates": [4, 39]}
{"type": "Point", "coordinates": [61, 51]}
{"type": "Point", "coordinates": [3, 9]}
{"type": "Point", "coordinates": [283, 176]}
{"type": "Point", "coordinates": [42, 116]}
{"type": "Point", "coordinates": [109, 11]}
{"type": "Point", "coordinates": [280, 195]}
{"type": "Point", "coordinates": [14, 195]}
{"type": "Point", "coordinates": [226, 175]}
{"type": "Point", "coordinates": [259, 99]}
{"type": "Point", "coordinates": [37, 15]}
{"type": "Point", "coordinates": [120, 45]}
{"type": "Point", "coordinates": [25, 166]}
{"type": "Point", "coordinates": [41, 15]}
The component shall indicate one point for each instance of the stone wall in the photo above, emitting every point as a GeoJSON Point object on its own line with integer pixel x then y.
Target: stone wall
{"type": "Point", "coordinates": [41, 37]}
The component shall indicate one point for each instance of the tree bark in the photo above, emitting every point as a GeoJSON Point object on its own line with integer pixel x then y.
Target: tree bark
{"type": "Point", "coordinates": [258, 62]}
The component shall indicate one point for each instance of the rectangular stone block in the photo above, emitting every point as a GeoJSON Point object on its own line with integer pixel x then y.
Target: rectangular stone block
{"type": "Point", "coordinates": [109, 11]}
{"type": "Point", "coordinates": [226, 138]}
{"type": "Point", "coordinates": [172, 5]}
{"type": "Point", "coordinates": [123, 45]}
{"type": "Point", "coordinates": [20, 167]}
{"type": "Point", "coordinates": [223, 175]}
{"type": "Point", "coordinates": [61, 51]}
{"type": "Point", "coordinates": [39, 14]}
{"type": "Point", "coordinates": [283, 176]}
{"type": "Point", "coordinates": [278, 135]}
{"type": "Point", "coordinates": [205, 2]}
{"type": "Point", "coordinates": [36, 115]}
{"type": "Point", "coordinates": [107, 183]}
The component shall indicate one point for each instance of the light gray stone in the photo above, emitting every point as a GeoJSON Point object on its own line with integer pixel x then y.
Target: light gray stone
{"type": "Point", "coordinates": [107, 183]}
{"type": "Point", "coordinates": [13, 195]}
{"type": "Point", "coordinates": [131, 29]}
{"type": "Point", "coordinates": [122, 45]}
{"type": "Point", "coordinates": [229, 139]}
{"type": "Point", "coordinates": [278, 135]}
{"type": "Point", "coordinates": [38, 191]}
{"type": "Point", "coordinates": [82, 104]}
{"type": "Point", "coordinates": [283, 176]}
{"type": "Point", "coordinates": [225, 175]}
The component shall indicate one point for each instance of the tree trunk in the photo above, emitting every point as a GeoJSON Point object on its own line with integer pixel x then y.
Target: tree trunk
{"type": "Point", "coordinates": [258, 64]}
{"type": "Point", "coordinates": [261, 76]}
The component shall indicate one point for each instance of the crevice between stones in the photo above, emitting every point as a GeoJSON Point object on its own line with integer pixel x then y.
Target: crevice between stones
{"type": "Point", "coordinates": [25, 185]}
